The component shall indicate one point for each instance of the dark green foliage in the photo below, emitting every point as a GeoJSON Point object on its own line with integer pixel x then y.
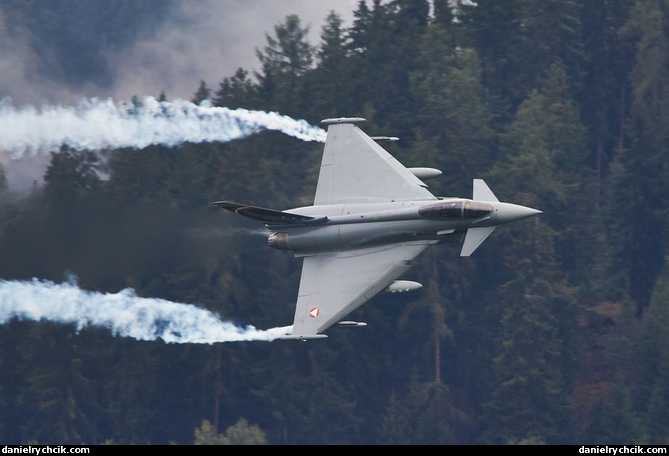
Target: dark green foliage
{"type": "Point", "coordinates": [237, 91]}
{"type": "Point", "coordinates": [614, 419]}
{"type": "Point", "coordinates": [239, 434]}
{"type": "Point", "coordinates": [286, 58]}
{"type": "Point", "coordinates": [554, 331]}
{"type": "Point", "coordinates": [639, 172]}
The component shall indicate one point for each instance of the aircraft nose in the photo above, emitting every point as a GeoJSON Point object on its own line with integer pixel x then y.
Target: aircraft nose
{"type": "Point", "coordinates": [507, 212]}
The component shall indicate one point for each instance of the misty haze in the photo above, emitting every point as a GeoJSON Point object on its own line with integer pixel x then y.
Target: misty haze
{"type": "Point", "coordinates": [122, 122]}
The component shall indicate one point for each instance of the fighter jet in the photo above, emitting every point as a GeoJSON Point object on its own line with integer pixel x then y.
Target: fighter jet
{"type": "Point", "coordinates": [370, 218]}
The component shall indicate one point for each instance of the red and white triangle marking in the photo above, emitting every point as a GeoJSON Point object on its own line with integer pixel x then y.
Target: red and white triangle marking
{"type": "Point", "coordinates": [313, 313]}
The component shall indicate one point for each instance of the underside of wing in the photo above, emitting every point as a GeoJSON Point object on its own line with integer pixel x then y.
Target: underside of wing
{"type": "Point", "coordinates": [356, 168]}
{"type": "Point", "coordinates": [335, 284]}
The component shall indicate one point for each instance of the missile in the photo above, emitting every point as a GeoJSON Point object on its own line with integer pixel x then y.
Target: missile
{"type": "Point", "coordinates": [425, 173]}
{"type": "Point", "coordinates": [385, 138]}
{"type": "Point", "coordinates": [303, 338]}
{"type": "Point", "coordinates": [351, 323]}
{"type": "Point", "coordinates": [342, 120]}
{"type": "Point", "coordinates": [402, 286]}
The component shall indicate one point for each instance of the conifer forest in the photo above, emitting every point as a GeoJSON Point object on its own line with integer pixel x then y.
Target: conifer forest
{"type": "Point", "coordinates": [555, 331]}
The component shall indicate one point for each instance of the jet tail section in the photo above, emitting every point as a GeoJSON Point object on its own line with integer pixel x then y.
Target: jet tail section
{"type": "Point", "coordinates": [266, 216]}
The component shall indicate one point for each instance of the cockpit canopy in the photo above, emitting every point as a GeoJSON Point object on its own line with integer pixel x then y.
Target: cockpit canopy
{"type": "Point", "coordinates": [456, 209]}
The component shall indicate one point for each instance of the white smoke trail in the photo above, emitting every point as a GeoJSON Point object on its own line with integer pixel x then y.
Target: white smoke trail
{"type": "Point", "coordinates": [99, 124]}
{"type": "Point", "coordinates": [124, 313]}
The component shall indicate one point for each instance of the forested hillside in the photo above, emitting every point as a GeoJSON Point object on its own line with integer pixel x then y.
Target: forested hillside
{"type": "Point", "coordinates": [554, 331]}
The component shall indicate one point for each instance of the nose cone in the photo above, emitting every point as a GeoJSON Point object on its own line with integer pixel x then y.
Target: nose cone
{"type": "Point", "coordinates": [507, 213]}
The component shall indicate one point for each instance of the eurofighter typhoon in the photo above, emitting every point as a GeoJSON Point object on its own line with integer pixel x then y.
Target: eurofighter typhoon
{"type": "Point", "coordinates": [371, 217]}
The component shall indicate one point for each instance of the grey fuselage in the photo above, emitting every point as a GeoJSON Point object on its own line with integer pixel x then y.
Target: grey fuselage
{"type": "Point", "coordinates": [340, 227]}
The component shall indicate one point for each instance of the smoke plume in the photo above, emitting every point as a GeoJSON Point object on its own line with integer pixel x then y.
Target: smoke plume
{"type": "Point", "coordinates": [123, 313]}
{"type": "Point", "coordinates": [100, 124]}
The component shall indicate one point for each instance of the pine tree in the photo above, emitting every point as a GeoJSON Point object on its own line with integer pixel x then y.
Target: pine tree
{"type": "Point", "coordinates": [538, 167]}
{"type": "Point", "coordinates": [426, 415]}
{"type": "Point", "coordinates": [237, 91]}
{"type": "Point", "coordinates": [130, 392]}
{"type": "Point", "coordinates": [542, 156]}
{"type": "Point", "coordinates": [360, 30]}
{"type": "Point", "coordinates": [206, 435]}
{"type": "Point", "coordinates": [519, 39]}
{"type": "Point", "coordinates": [656, 360]}
{"type": "Point", "coordinates": [284, 60]}
{"type": "Point", "coordinates": [638, 175]}
{"type": "Point", "coordinates": [202, 94]}
{"type": "Point", "coordinates": [383, 40]}
{"type": "Point", "coordinates": [3, 179]}
{"type": "Point", "coordinates": [496, 30]}
{"type": "Point", "coordinates": [242, 433]}
{"type": "Point", "coordinates": [454, 119]}
{"type": "Point", "coordinates": [438, 309]}
{"type": "Point", "coordinates": [72, 171]}
{"type": "Point", "coordinates": [614, 419]}
{"type": "Point", "coordinates": [604, 99]}
{"type": "Point", "coordinates": [59, 389]}
{"type": "Point", "coordinates": [530, 354]}
{"type": "Point", "coordinates": [412, 14]}
{"type": "Point", "coordinates": [332, 82]}
{"type": "Point", "coordinates": [443, 13]}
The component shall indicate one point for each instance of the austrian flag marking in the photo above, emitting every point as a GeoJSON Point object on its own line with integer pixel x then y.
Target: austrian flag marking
{"type": "Point", "coordinates": [313, 313]}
